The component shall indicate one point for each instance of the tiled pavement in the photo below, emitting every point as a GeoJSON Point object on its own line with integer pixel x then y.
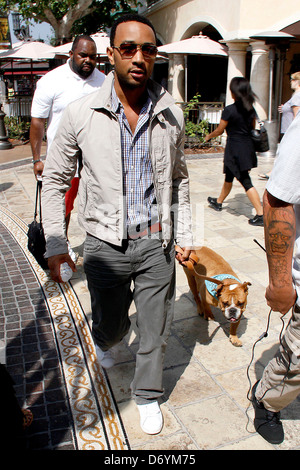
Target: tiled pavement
{"type": "Point", "coordinates": [45, 329]}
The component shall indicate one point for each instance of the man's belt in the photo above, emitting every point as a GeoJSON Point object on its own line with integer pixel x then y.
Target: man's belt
{"type": "Point", "coordinates": [133, 233]}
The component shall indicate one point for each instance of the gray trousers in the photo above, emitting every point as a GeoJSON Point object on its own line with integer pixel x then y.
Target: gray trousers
{"type": "Point", "coordinates": [111, 271]}
{"type": "Point", "coordinates": [280, 383]}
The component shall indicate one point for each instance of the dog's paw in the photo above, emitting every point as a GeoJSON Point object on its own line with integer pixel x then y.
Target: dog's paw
{"type": "Point", "coordinates": [235, 341]}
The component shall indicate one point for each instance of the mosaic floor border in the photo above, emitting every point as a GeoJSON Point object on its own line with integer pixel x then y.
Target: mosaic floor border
{"type": "Point", "coordinates": [96, 421]}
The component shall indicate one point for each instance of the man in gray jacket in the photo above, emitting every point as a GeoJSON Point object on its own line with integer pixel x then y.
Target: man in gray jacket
{"type": "Point", "coordinates": [133, 201]}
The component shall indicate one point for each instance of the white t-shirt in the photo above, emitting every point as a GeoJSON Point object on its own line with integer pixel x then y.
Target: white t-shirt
{"type": "Point", "coordinates": [288, 113]}
{"type": "Point", "coordinates": [56, 90]}
{"type": "Point", "coordinates": [284, 184]}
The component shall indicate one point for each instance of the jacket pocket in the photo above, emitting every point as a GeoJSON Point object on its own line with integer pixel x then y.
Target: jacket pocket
{"type": "Point", "coordinates": [161, 160]}
{"type": "Point", "coordinates": [87, 201]}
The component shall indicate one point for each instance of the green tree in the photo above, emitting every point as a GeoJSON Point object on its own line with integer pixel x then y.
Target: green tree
{"type": "Point", "coordinates": [69, 17]}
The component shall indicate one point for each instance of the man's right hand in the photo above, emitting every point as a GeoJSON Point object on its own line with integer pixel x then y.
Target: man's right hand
{"type": "Point", "coordinates": [38, 169]}
{"type": "Point", "coordinates": [54, 263]}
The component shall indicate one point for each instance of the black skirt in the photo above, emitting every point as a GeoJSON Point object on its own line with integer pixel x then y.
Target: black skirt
{"type": "Point", "coordinates": [239, 155]}
{"type": "Point", "coordinates": [239, 151]}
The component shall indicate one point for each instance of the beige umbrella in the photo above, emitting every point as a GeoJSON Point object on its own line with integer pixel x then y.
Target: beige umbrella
{"type": "Point", "coordinates": [200, 44]}
{"type": "Point", "coordinates": [33, 50]}
{"type": "Point", "coordinates": [101, 40]}
{"type": "Point", "coordinates": [28, 50]}
{"type": "Point", "coordinates": [195, 45]}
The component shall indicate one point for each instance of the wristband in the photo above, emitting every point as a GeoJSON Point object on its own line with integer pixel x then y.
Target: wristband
{"type": "Point", "coordinates": [35, 161]}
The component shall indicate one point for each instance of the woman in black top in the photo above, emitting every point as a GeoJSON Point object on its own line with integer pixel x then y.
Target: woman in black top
{"type": "Point", "coordinates": [238, 119]}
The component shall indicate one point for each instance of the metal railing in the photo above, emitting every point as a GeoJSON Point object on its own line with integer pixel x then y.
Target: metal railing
{"type": "Point", "coordinates": [19, 106]}
{"type": "Point", "coordinates": [209, 111]}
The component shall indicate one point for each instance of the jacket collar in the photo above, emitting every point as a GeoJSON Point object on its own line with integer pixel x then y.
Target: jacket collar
{"type": "Point", "coordinates": [160, 98]}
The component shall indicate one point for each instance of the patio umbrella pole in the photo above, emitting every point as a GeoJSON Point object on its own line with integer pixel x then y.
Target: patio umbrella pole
{"type": "Point", "coordinates": [185, 77]}
{"type": "Point", "coordinates": [271, 74]}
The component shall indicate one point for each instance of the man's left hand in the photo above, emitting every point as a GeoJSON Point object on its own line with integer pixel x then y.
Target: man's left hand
{"type": "Point", "coordinates": [281, 299]}
{"type": "Point", "coordinates": [184, 256]}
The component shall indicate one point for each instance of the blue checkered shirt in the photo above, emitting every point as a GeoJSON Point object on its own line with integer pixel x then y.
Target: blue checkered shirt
{"type": "Point", "coordinates": [138, 187]}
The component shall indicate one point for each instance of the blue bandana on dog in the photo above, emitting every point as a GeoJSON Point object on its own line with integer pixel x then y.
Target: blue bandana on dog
{"type": "Point", "coordinates": [211, 286]}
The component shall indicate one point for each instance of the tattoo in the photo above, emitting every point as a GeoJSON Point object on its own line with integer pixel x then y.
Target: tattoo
{"type": "Point", "coordinates": [280, 236]}
{"type": "Point", "coordinates": [280, 271]}
{"type": "Point", "coordinates": [279, 219]}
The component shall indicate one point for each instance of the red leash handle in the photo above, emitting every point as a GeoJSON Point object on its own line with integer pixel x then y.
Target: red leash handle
{"type": "Point", "coordinates": [190, 263]}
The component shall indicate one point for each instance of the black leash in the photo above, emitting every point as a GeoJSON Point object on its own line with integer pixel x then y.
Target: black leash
{"type": "Point", "coordinates": [259, 244]}
{"type": "Point", "coordinates": [264, 335]}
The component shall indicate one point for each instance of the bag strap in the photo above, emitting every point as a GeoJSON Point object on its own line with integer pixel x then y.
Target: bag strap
{"type": "Point", "coordinates": [260, 122]}
{"type": "Point", "coordinates": [38, 199]}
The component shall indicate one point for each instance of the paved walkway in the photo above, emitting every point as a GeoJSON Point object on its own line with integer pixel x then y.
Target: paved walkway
{"type": "Point", "coordinates": [45, 328]}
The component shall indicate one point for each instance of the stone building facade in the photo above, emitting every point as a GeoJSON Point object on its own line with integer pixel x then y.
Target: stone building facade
{"type": "Point", "coordinates": [263, 41]}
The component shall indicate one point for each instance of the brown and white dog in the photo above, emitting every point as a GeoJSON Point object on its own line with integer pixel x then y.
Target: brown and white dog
{"type": "Point", "coordinates": [230, 295]}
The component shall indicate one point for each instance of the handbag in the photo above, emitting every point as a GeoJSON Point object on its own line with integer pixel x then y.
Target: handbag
{"type": "Point", "coordinates": [260, 138]}
{"type": "Point", "coordinates": [36, 238]}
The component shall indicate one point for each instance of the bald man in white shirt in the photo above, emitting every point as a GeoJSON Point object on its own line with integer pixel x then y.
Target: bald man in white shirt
{"type": "Point", "coordinates": [59, 87]}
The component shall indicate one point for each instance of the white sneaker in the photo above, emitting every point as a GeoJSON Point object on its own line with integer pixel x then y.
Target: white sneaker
{"type": "Point", "coordinates": [106, 358]}
{"type": "Point", "coordinates": [151, 419]}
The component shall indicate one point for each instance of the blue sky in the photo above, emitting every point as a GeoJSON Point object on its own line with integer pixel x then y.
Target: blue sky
{"type": "Point", "coordinates": [37, 31]}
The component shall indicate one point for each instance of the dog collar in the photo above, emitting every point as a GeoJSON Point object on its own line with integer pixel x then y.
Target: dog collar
{"type": "Point", "coordinates": [211, 286]}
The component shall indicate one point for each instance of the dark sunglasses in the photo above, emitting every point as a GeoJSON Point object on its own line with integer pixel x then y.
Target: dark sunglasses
{"type": "Point", "coordinates": [127, 51]}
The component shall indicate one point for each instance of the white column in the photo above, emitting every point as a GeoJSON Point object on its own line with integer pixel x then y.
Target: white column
{"type": "Point", "coordinates": [3, 99]}
{"type": "Point", "coordinates": [170, 74]}
{"type": "Point", "coordinates": [236, 64]}
{"type": "Point", "coordinates": [176, 77]}
{"type": "Point", "coordinates": [259, 77]}
{"type": "Point", "coordinates": [2, 91]}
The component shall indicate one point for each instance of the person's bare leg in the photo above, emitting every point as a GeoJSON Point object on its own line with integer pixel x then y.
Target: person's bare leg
{"type": "Point", "coordinates": [226, 188]}
{"type": "Point", "coordinates": [253, 197]}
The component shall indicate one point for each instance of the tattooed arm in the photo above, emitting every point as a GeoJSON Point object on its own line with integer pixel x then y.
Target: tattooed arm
{"type": "Point", "coordinates": [280, 232]}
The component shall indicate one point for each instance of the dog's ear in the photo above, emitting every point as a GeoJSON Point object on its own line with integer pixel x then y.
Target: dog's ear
{"type": "Point", "coordinates": [219, 289]}
{"type": "Point", "coordinates": [245, 286]}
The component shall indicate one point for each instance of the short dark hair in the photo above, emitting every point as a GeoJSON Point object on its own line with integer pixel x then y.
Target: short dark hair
{"type": "Point", "coordinates": [85, 37]}
{"type": "Point", "coordinates": [125, 19]}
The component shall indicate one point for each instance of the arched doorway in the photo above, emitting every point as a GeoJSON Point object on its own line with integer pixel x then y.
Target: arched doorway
{"type": "Point", "coordinates": [207, 75]}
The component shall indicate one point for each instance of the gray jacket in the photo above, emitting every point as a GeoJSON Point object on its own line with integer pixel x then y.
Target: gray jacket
{"type": "Point", "coordinates": [90, 131]}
